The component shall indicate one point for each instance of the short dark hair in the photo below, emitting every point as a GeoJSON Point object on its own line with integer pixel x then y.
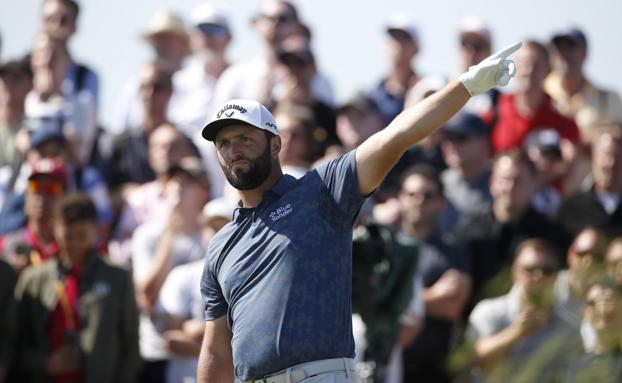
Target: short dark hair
{"type": "Point", "coordinates": [542, 246]}
{"type": "Point", "coordinates": [71, 4]}
{"type": "Point", "coordinates": [520, 156]}
{"type": "Point", "coordinates": [426, 171]}
{"type": "Point", "coordinates": [74, 208]}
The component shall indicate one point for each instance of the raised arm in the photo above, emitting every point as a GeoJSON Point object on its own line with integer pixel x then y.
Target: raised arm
{"type": "Point", "coordinates": [378, 154]}
{"type": "Point", "coordinates": [216, 359]}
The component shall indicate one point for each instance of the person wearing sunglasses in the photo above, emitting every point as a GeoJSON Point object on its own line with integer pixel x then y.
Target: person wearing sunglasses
{"type": "Point", "coordinates": [35, 242]}
{"type": "Point", "coordinates": [573, 94]}
{"type": "Point", "coordinates": [523, 327]}
{"type": "Point", "coordinates": [210, 36]}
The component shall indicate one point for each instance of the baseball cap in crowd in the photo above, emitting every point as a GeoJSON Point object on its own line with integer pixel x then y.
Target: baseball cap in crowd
{"type": "Point", "coordinates": [362, 102]}
{"type": "Point", "coordinates": [472, 26]}
{"type": "Point", "coordinates": [50, 167]}
{"type": "Point", "coordinates": [43, 130]}
{"type": "Point", "coordinates": [165, 22]}
{"type": "Point", "coordinates": [193, 167]}
{"type": "Point", "coordinates": [401, 23]}
{"type": "Point", "coordinates": [237, 111]}
{"type": "Point", "coordinates": [295, 52]}
{"type": "Point", "coordinates": [571, 34]}
{"type": "Point", "coordinates": [217, 208]}
{"type": "Point", "coordinates": [466, 125]}
{"type": "Point", "coordinates": [210, 19]}
{"type": "Point", "coordinates": [544, 139]}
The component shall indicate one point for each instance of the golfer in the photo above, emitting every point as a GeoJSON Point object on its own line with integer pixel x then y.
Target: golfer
{"type": "Point", "coordinates": [277, 279]}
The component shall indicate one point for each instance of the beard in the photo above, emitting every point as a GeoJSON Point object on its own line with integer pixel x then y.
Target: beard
{"type": "Point", "coordinates": [258, 172]}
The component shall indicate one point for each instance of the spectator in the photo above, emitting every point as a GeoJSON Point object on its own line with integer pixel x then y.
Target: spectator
{"type": "Point", "coordinates": [601, 362]}
{"type": "Point", "coordinates": [78, 318]}
{"type": "Point", "coordinates": [600, 206]}
{"type": "Point", "coordinates": [586, 263]}
{"type": "Point", "coordinates": [402, 47]}
{"type": "Point", "coordinates": [159, 246]}
{"type": "Point", "coordinates": [168, 39]}
{"type": "Point", "coordinates": [298, 147]}
{"type": "Point", "coordinates": [15, 83]}
{"type": "Point", "coordinates": [260, 78]}
{"type": "Point", "coordinates": [49, 99]}
{"type": "Point", "coordinates": [573, 94]}
{"type": "Point", "coordinates": [613, 258]}
{"type": "Point", "coordinates": [299, 69]}
{"type": "Point", "coordinates": [475, 41]}
{"type": "Point", "coordinates": [194, 84]}
{"type": "Point", "coordinates": [512, 219]}
{"type": "Point", "coordinates": [149, 202]}
{"type": "Point", "coordinates": [358, 119]}
{"type": "Point", "coordinates": [181, 301]}
{"type": "Point", "coordinates": [59, 20]}
{"type": "Point", "coordinates": [8, 319]}
{"type": "Point", "coordinates": [445, 270]}
{"type": "Point", "coordinates": [520, 336]}
{"type": "Point", "coordinates": [128, 163]}
{"type": "Point", "coordinates": [544, 149]}
{"type": "Point", "coordinates": [48, 141]}
{"type": "Point", "coordinates": [35, 242]}
{"type": "Point", "coordinates": [529, 107]}
{"type": "Point", "coordinates": [466, 151]}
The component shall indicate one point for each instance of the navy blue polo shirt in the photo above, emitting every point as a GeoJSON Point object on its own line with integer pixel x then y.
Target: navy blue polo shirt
{"type": "Point", "coordinates": [282, 272]}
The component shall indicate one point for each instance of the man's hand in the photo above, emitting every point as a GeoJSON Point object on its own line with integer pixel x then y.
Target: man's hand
{"type": "Point", "coordinates": [493, 71]}
{"type": "Point", "coordinates": [529, 320]}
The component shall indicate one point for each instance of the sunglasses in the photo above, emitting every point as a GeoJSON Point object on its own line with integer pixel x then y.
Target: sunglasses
{"type": "Point", "coordinates": [425, 196]}
{"type": "Point", "coordinates": [544, 269]}
{"type": "Point", "coordinates": [457, 137]}
{"type": "Point", "coordinates": [213, 30]}
{"type": "Point", "coordinates": [49, 187]}
{"type": "Point", "coordinates": [475, 45]}
{"type": "Point", "coordinates": [282, 18]}
{"type": "Point", "coordinates": [62, 20]}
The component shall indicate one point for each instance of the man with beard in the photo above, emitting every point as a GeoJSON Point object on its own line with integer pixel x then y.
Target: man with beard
{"type": "Point", "coordinates": [277, 279]}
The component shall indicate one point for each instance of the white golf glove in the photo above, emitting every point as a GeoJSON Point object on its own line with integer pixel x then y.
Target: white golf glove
{"type": "Point", "coordinates": [495, 70]}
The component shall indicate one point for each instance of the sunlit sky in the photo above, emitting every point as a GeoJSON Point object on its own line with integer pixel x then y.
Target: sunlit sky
{"type": "Point", "coordinates": [348, 34]}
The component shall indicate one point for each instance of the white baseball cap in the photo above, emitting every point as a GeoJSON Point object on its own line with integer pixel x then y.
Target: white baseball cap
{"type": "Point", "coordinates": [401, 22]}
{"type": "Point", "coordinates": [245, 111]}
{"type": "Point", "coordinates": [208, 13]}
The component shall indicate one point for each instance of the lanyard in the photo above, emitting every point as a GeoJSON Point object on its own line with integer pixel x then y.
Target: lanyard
{"type": "Point", "coordinates": [64, 303]}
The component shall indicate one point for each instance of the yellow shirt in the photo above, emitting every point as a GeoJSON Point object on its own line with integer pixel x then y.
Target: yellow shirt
{"type": "Point", "coordinates": [589, 107]}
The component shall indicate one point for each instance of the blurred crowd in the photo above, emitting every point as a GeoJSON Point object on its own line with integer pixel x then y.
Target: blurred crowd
{"type": "Point", "coordinates": [491, 252]}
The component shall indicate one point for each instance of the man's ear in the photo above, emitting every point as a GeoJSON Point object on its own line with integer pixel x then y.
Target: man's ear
{"type": "Point", "coordinates": [275, 146]}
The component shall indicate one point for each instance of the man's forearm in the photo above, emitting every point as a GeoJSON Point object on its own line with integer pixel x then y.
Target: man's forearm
{"type": "Point", "coordinates": [213, 369]}
{"type": "Point", "coordinates": [489, 350]}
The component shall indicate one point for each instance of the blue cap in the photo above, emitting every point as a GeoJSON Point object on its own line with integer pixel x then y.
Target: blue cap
{"type": "Point", "coordinates": [467, 124]}
{"type": "Point", "coordinates": [44, 130]}
{"type": "Point", "coordinates": [570, 33]}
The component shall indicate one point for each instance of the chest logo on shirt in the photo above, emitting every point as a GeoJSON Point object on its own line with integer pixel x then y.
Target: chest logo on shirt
{"type": "Point", "coordinates": [281, 212]}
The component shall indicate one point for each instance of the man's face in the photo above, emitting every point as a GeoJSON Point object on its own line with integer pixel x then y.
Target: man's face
{"type": "Point", "coordinates": [420, 201]}
{"type": "Point", "coordinates": [42, 194]}
{"type": "Point", "coordinates": [245, 155]}
{"type": "Point", "coordinates": [191, 194]}
{"type": "Point", "coordinates": [166, 147]}
{"type": "Point", "coordinates": [170, 48]}
{"type": "Point", "coordinates": [401, 48]}
{"type": "Point", "coordinates": [614, 261]}
{"type": "Point", "coordinates": [14, 86]}
{"type": "Point", "coordinates": [603, 310]}
{"type": "Point", "coordinates": [532, 69]}
{"type": "Point", "coordinates": [460, 150]}
{"type": "Point", "coordinates": [155, 92]}
{"type": "Point", "coordinates": [567, 56]}
{"type": "Point", "coordinates": [57, 20]}
{"type": "Point", "coordinates": [355, 126]}
{"type": "Point", "coordinates": [511, 186]}
{"type": "Point", "coordinates": [276, 22]}
{"type": "Point", "coordinates": [209, 38]}
{"type": "Point", "coordinates": [211, 227]}
{"type": "Point", "coordinates": [607, 163]}
{"type": "Point", "coordinates": [295, 145]}
{"type": "Point", "coordinates": [535, 273]}
{"type": "Point", "coordinates": [585, 259]}
{"type": "Point", "coordinates": [75, 240]}
{"type": "Point", "coordinates": [473, 49]}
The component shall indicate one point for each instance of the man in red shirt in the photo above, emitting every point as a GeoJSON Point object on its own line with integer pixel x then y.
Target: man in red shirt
{"type": "Point", "coordinates": [529, 108]}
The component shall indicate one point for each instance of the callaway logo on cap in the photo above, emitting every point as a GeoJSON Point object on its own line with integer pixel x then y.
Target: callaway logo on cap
{"type": "Point", "coordinates": [240, 111]}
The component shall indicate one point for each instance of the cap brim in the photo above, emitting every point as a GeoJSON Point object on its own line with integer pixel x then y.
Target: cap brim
{"type": "Point", "coordinates": [211, 130]}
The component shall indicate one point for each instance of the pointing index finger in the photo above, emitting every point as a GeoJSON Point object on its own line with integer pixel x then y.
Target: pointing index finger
{"type": "Point", "coordinates": [502, 54]}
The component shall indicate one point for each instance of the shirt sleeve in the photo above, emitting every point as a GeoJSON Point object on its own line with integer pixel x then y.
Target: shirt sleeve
{"type": "Point", "coordinates": [341, 180]}
{"type": "Point", "coordinates": [172, 296]}
{"type": "Point", "coordinates": [214, 302]}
